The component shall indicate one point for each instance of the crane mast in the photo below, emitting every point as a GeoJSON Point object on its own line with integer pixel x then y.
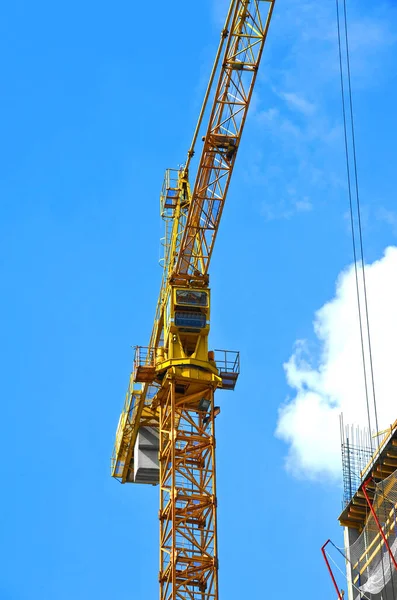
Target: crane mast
{"type": "Point", "coordinates": [166, 431]}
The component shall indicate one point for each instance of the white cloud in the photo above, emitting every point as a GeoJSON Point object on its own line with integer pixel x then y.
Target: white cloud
{"type": "Point", "coordinates": [372, 34]}
{"type": "Point", "coordinates": [331, 381]}
{"type": "Point", "coordinates": [389, 217]}
{"type": "Point", "coordinates": [268, 116]}
{"type": "Point", "coordinates": [286, 207]}
{"type": "Point", "coordinates": [303, 205]}
{"type": "Point", "coordinates": [298, 103]}
{"type": "Point", "coordinates": [279, 124]}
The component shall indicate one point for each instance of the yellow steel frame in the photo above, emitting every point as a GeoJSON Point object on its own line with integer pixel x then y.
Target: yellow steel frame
{"type": "Point", "coordinates": [192, 223]}
{"type": "Point", "coordinates": [188, 540]}
{"type": "Point", "coordinates": [232, 95]}
{"type": "Point", "coordinates": [178, 359]}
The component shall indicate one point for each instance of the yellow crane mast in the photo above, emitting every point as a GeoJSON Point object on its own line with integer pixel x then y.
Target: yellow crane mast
{"type": "Point", "coordinates": [166, 431]}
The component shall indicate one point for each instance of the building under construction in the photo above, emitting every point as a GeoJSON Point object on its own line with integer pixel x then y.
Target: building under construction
{"type": "Point", "coordinates": [369, 459]}
{"type": "Point", "coordinates": [369, 517]}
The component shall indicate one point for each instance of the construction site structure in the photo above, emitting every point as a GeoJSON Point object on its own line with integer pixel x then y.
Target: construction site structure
{"type": "Point", "coordinates": [369, 459]}
{"type": "Point", "coordinates": [166, 431]}
{"type": "Point", "coordinates": [370, 525]}
{"type": "Point", "coordinates": [369, 516]}
{"type": "Point", "coordinates": [356, 450]}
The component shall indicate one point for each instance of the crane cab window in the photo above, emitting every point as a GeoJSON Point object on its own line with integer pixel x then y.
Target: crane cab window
{"type": "Point", "coordinates": [191, 298]}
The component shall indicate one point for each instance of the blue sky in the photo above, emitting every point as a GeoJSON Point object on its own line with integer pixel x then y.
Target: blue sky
{"type": "Point", "coordinates": [96, 102]}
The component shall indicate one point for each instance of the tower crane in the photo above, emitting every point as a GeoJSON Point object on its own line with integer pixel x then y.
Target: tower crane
{"type": "Point", "coordinates": [166, 431]}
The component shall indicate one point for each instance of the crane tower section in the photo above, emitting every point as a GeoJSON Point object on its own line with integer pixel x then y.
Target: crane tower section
{"type": "Point", "coordinates": [166, 431]}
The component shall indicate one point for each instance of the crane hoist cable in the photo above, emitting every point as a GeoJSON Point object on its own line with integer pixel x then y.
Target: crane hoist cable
{"type": "Point", "coordinates": [349, 112]}
{"type": "Point", "coordinates": [351, 212]}
{"type": "Point", "coordinates": [366, 550]}
{"type": "Point", "coordinates": [358, 256]}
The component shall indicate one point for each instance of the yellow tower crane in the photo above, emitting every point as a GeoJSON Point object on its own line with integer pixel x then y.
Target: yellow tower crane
{"type": "Point", "coordinates": [166, 431]}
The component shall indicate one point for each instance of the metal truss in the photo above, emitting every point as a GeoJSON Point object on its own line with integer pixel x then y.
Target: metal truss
{"type": "Point", "coordinates": [188, 544]}
{"type": "Point", "coordinates": [231, 98]}
{"type": "Point", "coordinates": [156, 394]}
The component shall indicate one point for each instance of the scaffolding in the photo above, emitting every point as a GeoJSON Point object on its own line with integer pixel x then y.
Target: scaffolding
{"type": "Point", "coordinates": [357, 450]}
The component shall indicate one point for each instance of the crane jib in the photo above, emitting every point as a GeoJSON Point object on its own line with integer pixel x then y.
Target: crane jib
{"type": "Point", "coordinates": [232, 94]}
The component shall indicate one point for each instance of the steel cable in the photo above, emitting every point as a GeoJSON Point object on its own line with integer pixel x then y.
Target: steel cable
{"type": "Point", "coordinates": [360, 235]}
{"type": "Point", "coordinates": [359, 214]}
{"type": "Point", "coordinates": [352, 217]}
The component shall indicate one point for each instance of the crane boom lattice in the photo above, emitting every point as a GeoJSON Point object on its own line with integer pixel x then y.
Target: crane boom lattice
{"type": "Point", "coordinates": [232, 97]}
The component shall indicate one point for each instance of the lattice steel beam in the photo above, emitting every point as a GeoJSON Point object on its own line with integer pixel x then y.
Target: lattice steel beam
{"type": "Point", "coordinates": [232, 95]}
{"type": "Point", "coordinates": [188, 545]}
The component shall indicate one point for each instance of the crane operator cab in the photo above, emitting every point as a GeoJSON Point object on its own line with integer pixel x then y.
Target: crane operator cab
{"type": "Point", "coordinates": [186, 329]}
